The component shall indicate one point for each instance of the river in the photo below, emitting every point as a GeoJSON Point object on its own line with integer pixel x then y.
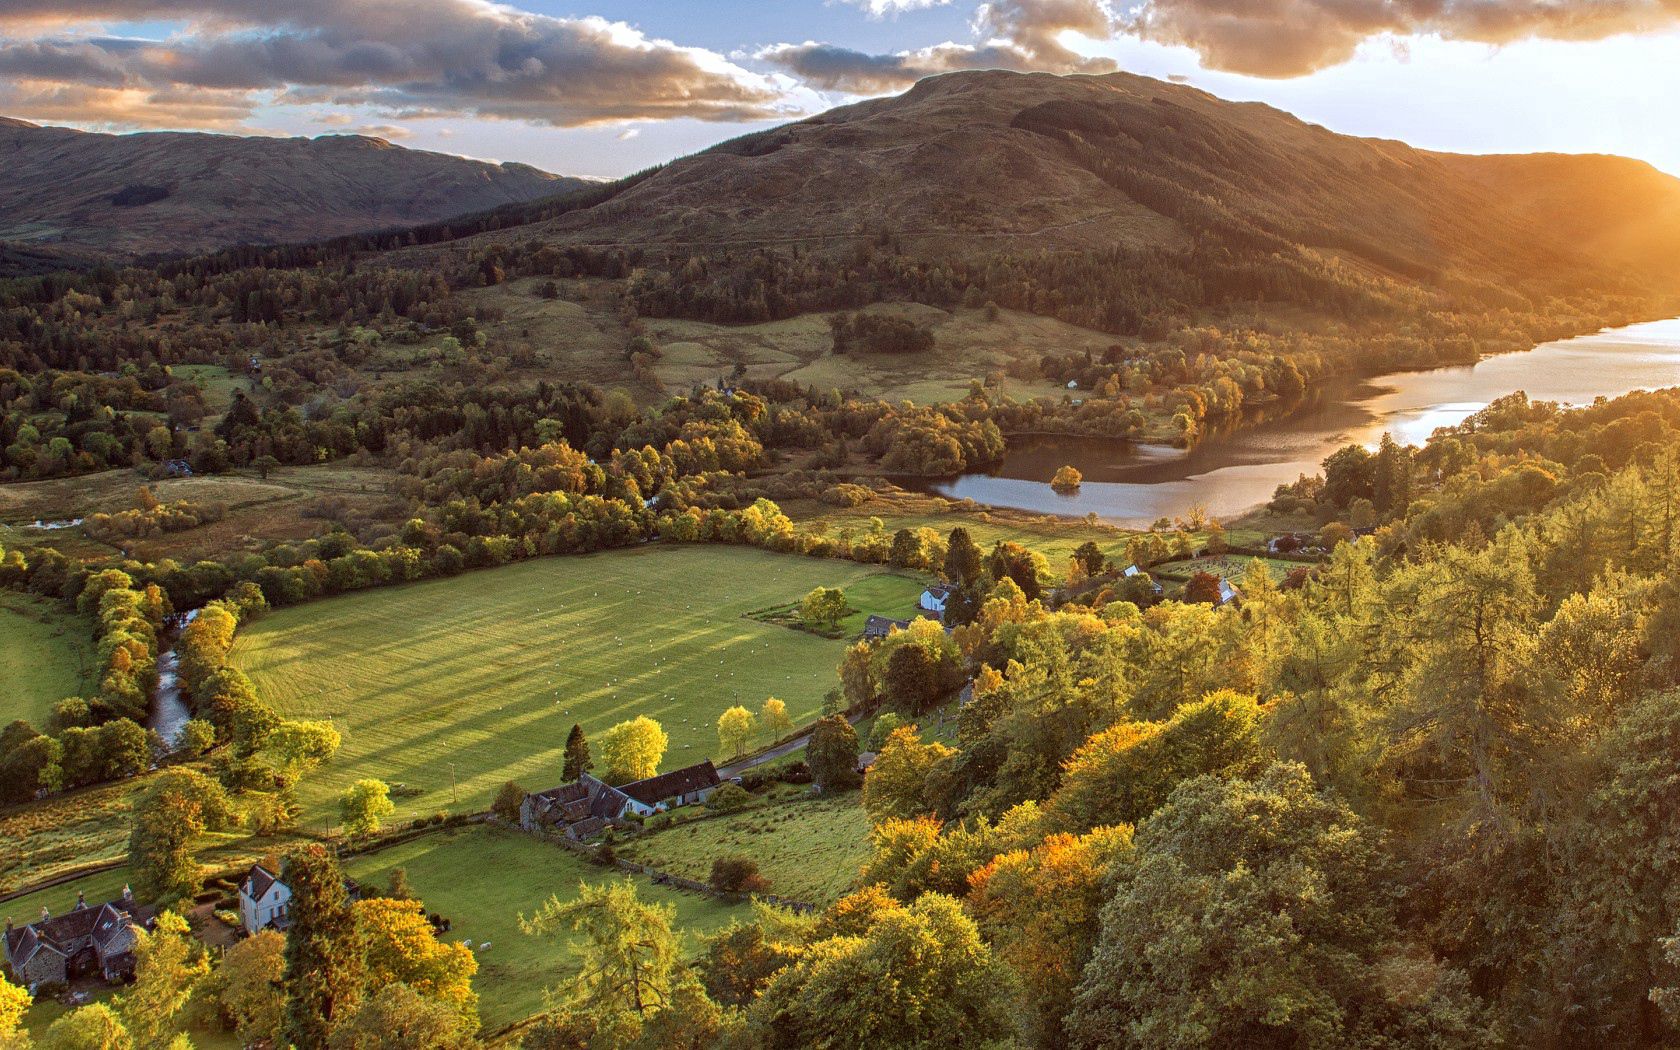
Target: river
{"type": "Point", "coordinates": [1229, 473]}
{"type": "Point", "coordinates": [169, 709]}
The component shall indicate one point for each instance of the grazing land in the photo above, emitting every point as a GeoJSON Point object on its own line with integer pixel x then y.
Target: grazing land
{"type": "Point", "coordinates": [65, 832]}
{"type": "Point", "coordinates": [46, 654]}
{"type": "Point", "coordinates": [888, 594]}
{"type": "Point", "coordinates": [483, 878]}
{"type": "Point", "coordinates": [456, 686]}
{"type": "Point", "coordinates": [291, 503]}
{"type": "Point", "coordinates": [809, 848]}
{"type": "Point", "coordinates": [581, 336]}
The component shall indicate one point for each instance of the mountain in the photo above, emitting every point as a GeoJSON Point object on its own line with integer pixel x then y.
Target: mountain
{"type": "Point", "coordinates": [970, 162]}
{"type": "Point", "coordinates": [73, 197]}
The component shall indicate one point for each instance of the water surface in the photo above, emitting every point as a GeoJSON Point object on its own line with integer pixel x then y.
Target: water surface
{"type": "Point", "coordinates": [1228, 473]}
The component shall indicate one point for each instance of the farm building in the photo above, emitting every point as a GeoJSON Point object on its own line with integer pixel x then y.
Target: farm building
{"type": "Point", "coordinates": [934, 599]}
{"type": "Point", "coordinates": [83, 941]}
{"type": "Point", "coordinates": [264, 901]}
{"type": "Point", "coordinates": [878, 627]}
{"type": "Point", "coordinates": [587, 805]}
{"type": "Point", "coordinates": [1133, 570]}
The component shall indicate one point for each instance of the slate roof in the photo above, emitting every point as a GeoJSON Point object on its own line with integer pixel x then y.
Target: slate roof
{"type": "Point", "coordinates": [669, 785]}
{"type": "Point", "coordinates": [69, 933]}
{"type": "Point", "coordinates": [259, 882]}
{"type": "Point", "coordinates": [939, 591]}
{"type": "Point", "coordinates": [881, 626]}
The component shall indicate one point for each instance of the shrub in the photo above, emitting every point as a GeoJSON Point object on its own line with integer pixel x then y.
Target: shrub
{"type": "Point", "coordinates": [737, 875]}
{"type": "Point", "coordinates": [729, 798]}
{"type": "Point", "coordinates": [507, 802]}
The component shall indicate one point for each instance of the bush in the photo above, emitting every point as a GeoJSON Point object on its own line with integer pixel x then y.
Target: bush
{"type": "Point", "coordinates": [737, 875]}
{"type": "Point", "coordinates": [605, 855]}
{"type": "Point", "coordinates": [507, 802]}
{"type": "Point", "coordinates": [729, 798]}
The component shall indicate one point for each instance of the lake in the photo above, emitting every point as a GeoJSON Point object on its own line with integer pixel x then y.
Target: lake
{"type": "Point", "coordinates": [1232, 472]}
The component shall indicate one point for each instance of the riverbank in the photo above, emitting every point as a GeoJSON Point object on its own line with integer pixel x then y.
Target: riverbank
{"type": "Point", "coordinates": [1232, 473]}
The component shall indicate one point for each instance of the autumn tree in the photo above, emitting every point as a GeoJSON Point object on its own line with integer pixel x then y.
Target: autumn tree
{"type": "Point", "coordinates": [773, 717]}
{"type": "Point", "coordinates": [507, 802]}
{"type": "Point", "coordinates": [400, 947]}
{"type": "Point", "coordinates": [932, 983]}
{"type": "Point", "coordinates": [364, 807]}
{"type": "Point", "coordinates": [169, 966]}
{"type": "Point", "coordinates": [296, 747]}
{"type": "Point", "coordinates": [248, 986]}
{"type": "Point", "coordinates": [833, 754]}
{"type": "Point", "coordinates": [823, 607]}
{"type": "Point", "coordinates": [735, 730]}
{"type": "Point", "coordinates": [627, 952]}
{"type": "Point", "coordinates": [632, 750]}
{"type": "Point", "coordinates": [181, 805]}
{"type": "Point", "coordinates": [898, 784]}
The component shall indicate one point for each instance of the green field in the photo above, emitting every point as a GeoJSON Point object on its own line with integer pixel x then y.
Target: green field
{"type": "Point", "coordinates": [1229, 566]}
{"type": "Point", "coordinates": [482, 878]}
{"type": "Point", "coordinates": [46, 654]}
{"type": "Point", "coordinates": [809, 849]}
{"type": "Point", "coordinates": [888, 594]}
{"type": "Point", "coordinates": [455, 686]}
{"type": "Point", "coordinates": [216, 382]}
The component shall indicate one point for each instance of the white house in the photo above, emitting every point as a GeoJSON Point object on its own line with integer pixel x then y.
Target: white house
{"type": "Point", "coordinates": [264, 901]}
{"type": "Point", "coordinates": [1227, 593]}
{"type": "Point", "coordinates": [934, 598]}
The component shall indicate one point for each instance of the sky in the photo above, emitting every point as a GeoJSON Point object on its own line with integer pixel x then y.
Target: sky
{"type": "Point", "coordinates": [605, 87]}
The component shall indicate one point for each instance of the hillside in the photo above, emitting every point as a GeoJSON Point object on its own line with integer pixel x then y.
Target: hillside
{"type": "Point", "coordinates": [72, 196]}
{"type": "Point", "coordinates": [977, 162]}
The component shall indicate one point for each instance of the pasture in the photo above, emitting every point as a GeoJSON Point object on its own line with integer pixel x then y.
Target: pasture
{"type": "Point", "coordinates": [483, 878]}
{"type": "Point", "coordinates": [455, 686]}
{"type": "Point", "coordinates": [46, 654]}
{"type": "Point", "coordinates": [1230, 566]}
{"type": "Point", "coordinates": [809, 848]}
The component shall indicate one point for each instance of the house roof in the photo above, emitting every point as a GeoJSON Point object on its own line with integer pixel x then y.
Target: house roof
{"type": "Point", "coordinates": [677, 782]}
{"type": "Point", "coordinates": [881, 626]}
{"type": "Point", "coordinates": [67, 934]}
{"type": "Point", "coordinates": [259, 882]}
{"type": "Point", "coordinates": [938, 590]}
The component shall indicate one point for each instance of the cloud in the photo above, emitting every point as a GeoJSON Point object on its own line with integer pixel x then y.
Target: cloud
{"type": "Point", "coordinates": [440, 58]}
{"type": "Point", "coordinates": [627, 134]}
{"type": "Point", "coordinates": [1012, 34]}
{"type": "Point", "coordinates": [879, 9]}
{"type": "Point", "coordinates": [1286, 38]}
{"type": "Point", "coordinates": [388, 132]}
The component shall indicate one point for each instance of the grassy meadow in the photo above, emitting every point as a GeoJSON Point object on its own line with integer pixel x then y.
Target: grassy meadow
{"type": "Point", "coordinates": [483, 878]}
{"type": "Point", "coordinates": [456, 686]}
{"type": "Point", "coordinates": [46, 654]}
{"type": "Point", "coordinates": [809, 848]}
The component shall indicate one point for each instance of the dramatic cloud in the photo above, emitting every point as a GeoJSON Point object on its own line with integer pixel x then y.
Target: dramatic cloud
{"type": "Point", "coordinates": [444, 57]}
{"type": "Point", "coordinates": [1013, 34]}
{"type": "Point", "coordinates": [1284, 38]}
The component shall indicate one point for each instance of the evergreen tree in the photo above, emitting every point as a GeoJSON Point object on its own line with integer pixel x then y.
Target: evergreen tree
{"type": "Point", "coordinates": [577, 755]}
{"type": "Point", "coordinates": [323, 952]}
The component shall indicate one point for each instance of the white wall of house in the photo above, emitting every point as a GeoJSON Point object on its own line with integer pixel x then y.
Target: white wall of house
{"type": "Point", "coordinates": [257, 913]}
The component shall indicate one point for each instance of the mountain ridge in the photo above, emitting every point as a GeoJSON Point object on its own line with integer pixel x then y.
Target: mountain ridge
{"type": "Point", "coordinates": [77, 197]}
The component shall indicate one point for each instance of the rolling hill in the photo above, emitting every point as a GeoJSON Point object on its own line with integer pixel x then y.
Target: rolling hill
{"type": "Point", "coordinates": [74, 197]}
{"type": "Point", "coordinates": [967, 162]}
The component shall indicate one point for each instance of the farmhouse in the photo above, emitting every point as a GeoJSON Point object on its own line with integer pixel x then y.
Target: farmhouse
{"type": "Point", "coordinates": [588, 804]}
{"type": "Point", "coordinates": [1227, 593]}
{"type": "Point", "coordinates": [934, 599]}
{"type": "Point", "coordinates": [1133, 570]}
{"type": "Point", "coordinates": [264, 901]}
{"type": "Point", "coordinates": [877, 627]}
{"type": "Point", "coordinates": [84, 940]}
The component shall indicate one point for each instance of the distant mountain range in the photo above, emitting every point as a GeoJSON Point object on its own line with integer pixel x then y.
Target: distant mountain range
{"type": "Point", "coordinates": [968, 162]}
{"type": "Point", "coordinates": [70, 197]}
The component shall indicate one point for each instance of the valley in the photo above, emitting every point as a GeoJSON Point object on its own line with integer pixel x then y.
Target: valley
{"type": "Point", "coordinates": [1030, 561]}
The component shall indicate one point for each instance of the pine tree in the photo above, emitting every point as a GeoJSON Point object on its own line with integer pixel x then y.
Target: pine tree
{"type": "Point", "coordinates": [323, 956]}
{"type": "Point", "coordinates": [577, 755]}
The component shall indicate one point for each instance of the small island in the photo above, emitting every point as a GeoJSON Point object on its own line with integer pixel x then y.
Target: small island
{"type": "Point", "coordinates": [1067, 480]}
